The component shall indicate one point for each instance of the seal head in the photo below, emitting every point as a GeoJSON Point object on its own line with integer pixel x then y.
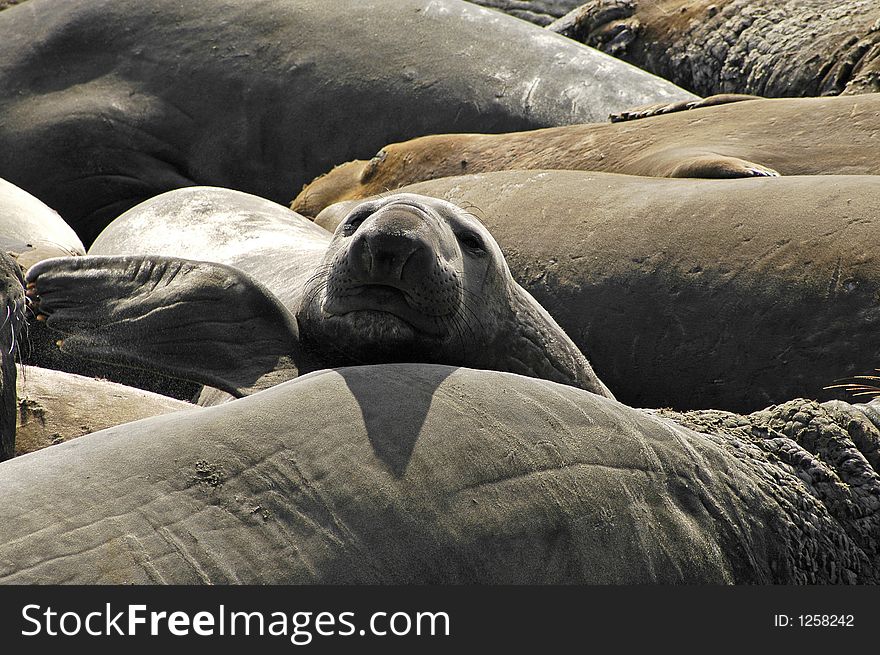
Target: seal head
{"type": "Point", "coordinates": [407, 278]}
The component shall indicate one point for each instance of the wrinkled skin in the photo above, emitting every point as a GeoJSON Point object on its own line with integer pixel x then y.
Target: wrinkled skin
{"type": "Point", "coordinates": [728, 294]}
{"type": "Point", "coordinates": [753, 138]}
{"type": "Point", "coordinates": [772, 48]}
{"type": "Point", "coordinates": [429, 474]}
{"type": "Point", "coordinates": [12, 311]}
{"type": "Point", "coordinates": [109, 102]}
{"type": "Point", "coordinates": [542, 12]}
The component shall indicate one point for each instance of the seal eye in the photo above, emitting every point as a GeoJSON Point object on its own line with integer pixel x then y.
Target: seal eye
{"type": "Point", "coordinates": [354, 221]}
{"type": "Point", "coordinates": [473, 242]}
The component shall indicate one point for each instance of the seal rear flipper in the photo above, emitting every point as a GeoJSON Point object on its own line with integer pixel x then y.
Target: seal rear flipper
{"type": "Point", "coordinates": [714, 166]}
{"type": "Point", "coordinates": [200, 321]}
{"type": "Point", "coordinates": [646, 111]}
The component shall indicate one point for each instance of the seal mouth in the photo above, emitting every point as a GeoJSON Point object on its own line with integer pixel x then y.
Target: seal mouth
{"type": "Point", "coordinates": [382, 300]}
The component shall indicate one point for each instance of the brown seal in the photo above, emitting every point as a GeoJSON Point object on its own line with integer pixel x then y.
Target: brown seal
{"type": "Point", "coordinates": [754, 138]}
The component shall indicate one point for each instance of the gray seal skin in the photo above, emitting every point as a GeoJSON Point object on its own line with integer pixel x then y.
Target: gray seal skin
{"type": "Point", "coordinates": [751, 138]}
{"type": "Point", "coordinates": [30, 231]}
{"type": "Point", "coordinates": [266, 240]}
{"type": "Point", "coordinates": [730, 294]}
{"type": "Point", "coordinates": [106, 103]}
{"type": "Point", "coordinates": [404, 278]}
{"type": "Point", "coordinates": [414, 473]}
{"type": "Point", "coordinates": [12, 316]}
{"type": "Point", "coordinates": [773, 48]}
{"type": "Point", "coordinates": [540, 12]}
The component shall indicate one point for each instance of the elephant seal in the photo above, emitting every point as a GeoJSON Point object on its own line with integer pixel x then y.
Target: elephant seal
{"type": "Point", "coordinates": [269, 93]}
{"type": "Point", "coordinates": [729, 294]}
{"type": "Point", "coordinates": [754, 138]}
{"type": "Point", "coordinates": [409, 278]}
{"type": "Point", "coordinates": [12, 309]}
{"type": "Point", "coordinates": [404, 278]}
{"type": "Point", "coordinates": [774, 48]}
{"type": "Point", "coordinates": [31, 231]}
{"type": "Point", "coordinates": [418, 473]}
{"type": "Point", "coordinates": [56, 406]}
{"type": "Point", "coordinates": [540, 12]}
{"type": "Point", "coordinates": [266, 240]}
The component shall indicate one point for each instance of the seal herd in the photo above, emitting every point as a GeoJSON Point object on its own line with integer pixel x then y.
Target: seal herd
{"type": "Point", "coordinates": [423, 291]}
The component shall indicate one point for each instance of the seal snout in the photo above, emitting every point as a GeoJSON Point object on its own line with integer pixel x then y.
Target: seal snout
{"type": "Point", "coordinates": [390, 249]}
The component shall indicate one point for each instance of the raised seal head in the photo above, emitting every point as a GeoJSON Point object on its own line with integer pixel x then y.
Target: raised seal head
{"type": "Point", "coordinates": [410, 278]}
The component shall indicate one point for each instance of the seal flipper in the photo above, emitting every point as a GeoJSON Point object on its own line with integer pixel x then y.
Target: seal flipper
{"type": "Point", "coordinates": [200, 321]}
{"type": "Point", "coordinates": [646, 111]}
{"type": "Point", "coordinates": [710, 165]}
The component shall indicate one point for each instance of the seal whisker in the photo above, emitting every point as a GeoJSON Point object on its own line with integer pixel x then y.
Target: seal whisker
{"type": "Point", "coordinates": [454, 320]}
{"type": "Point", "coordinates": [469, 211]}
{"type": "Point", "coordinates": [467, 294]}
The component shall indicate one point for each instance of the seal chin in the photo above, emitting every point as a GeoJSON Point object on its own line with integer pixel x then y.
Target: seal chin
{"type": "Point", "coordinates": [372, 336]}
{"type": "Point", "coordinates": [380, 305]}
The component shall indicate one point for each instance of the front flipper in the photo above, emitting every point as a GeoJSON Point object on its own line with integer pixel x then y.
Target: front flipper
{"type": "Point", "coordinates": [200, 321]}
{"type": "Point", "coordinates": [646, 111]}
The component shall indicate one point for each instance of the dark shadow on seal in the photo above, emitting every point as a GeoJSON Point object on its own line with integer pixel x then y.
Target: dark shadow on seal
{"type": "Point", "coordinates": [393, 435]}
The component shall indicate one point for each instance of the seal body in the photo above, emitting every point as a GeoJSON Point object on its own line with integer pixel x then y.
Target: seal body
{"type": "Point", "coordinates": [773, 48]}
{"type": "Point", "coordinates": [443, 475]}
{"type": "Point", "coordinates": [56, 406]}
{"type": "Point", "coordinates": [264, 239]}
{"type": "Point", "coordinates": [30, 231]}
{"type": "Point", "coordinates": [12, 312]}
{"type": "Point", "coordinates": [754, 138]}
{"type": "Point", "coordinates": [403, 278]}
{"type": "Point", "coordinates": [110, 102]}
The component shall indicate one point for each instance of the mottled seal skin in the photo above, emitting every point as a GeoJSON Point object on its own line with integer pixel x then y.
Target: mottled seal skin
{"type": "Point", "coordinates": [404, 278]}
{"type": "Point", "coordinates": [12, 312]}
{"type": "Point", "coordinates": [773, 48]}
{"type": "Point", "coordinates": [729, 294]}
{"type": "Point", "coordinates": [429, 474]}
{"type": "Point", "coordinates": [765, 137]}
{"type": "Point", "coordinates": [109, 102]}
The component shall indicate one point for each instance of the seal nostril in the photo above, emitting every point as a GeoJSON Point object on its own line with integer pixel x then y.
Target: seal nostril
{"type": "Point", "coordinates": [360, 257]}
